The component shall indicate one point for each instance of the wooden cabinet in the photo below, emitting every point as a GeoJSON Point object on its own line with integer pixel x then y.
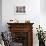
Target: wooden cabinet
{"type": "Point", "coordinates": [22, 33]}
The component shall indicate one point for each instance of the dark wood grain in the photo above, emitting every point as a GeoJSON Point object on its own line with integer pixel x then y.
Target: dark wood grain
{"type": "Point", "coordinates": [23, 27]}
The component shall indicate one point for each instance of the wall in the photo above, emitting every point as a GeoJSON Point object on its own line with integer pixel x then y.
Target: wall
{"type": "Point", "coordinates": [0, 15]}
{"type": "Point", "coordinates": [33, 13]}
{"type": "Point", "coordinates": [32, 10]}
{"type": "Point", "coordinates": [43, 6]}
{"type": "Point", "coordinates": [43, 14]}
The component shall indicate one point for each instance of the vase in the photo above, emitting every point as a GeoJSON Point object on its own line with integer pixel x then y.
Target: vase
{"type": "Point", "coordinates": [41, 43]}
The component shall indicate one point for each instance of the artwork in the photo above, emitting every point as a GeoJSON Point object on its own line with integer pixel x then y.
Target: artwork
{"type": "Point", "coordinates": [20, 9]}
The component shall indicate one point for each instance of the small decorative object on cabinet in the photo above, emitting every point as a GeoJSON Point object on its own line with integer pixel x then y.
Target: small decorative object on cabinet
{"type": "Point", "coordinates": [27, 21]}
{"type": "Point", "coordinates": [22, 33]}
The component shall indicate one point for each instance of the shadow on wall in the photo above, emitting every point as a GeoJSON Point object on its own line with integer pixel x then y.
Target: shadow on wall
{"type": "Point", "coordinates": [43, 6]}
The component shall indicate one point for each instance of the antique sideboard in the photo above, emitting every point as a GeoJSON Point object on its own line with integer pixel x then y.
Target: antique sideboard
{"type": "Point", "coordinates": [22, 33]}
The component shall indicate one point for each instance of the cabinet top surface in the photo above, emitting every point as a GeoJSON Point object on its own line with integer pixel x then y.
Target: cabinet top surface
{"type": "Point", "coordinates": [19, 23]}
